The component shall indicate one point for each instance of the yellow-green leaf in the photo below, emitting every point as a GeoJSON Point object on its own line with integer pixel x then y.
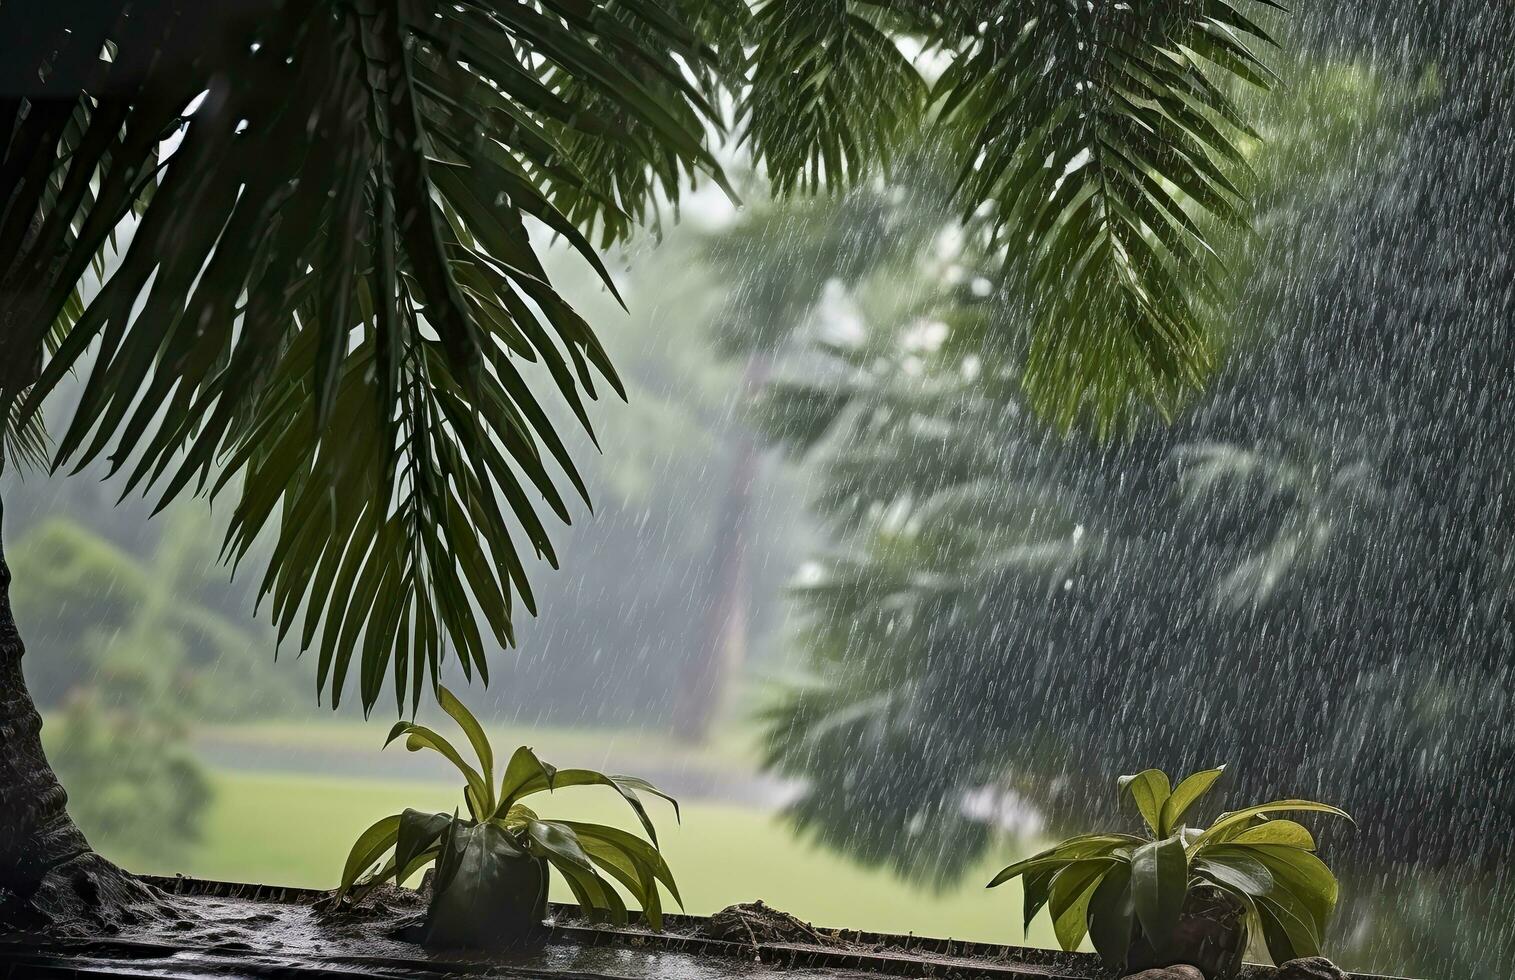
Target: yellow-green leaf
{"type": "Point", "coordinates": [369, 847]}
{"type": "Point", "coordinates": [1150, 789]}
{"type": "Point", "coordinates": [1184, 796]}
{"type": "Point", "coordinates": [418, 737]}
{"type": "Point", "coordinates": [476, 737]}
{"type": "Point", "coordinates": [1228, 821]}
{"type": "Point", "coordinates": [1285, 832]}
{"type": "Point", "coordinates": [1068, 904]}
{"type": "Point", "coordinates": [1159, 881]}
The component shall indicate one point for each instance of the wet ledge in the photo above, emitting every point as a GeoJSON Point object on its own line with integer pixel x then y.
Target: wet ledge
{"type": "Point", "coordinates": [252, 932]}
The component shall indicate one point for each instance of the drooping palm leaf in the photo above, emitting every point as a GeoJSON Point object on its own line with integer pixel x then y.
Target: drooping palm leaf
{"type": "Point", "coordinates": [22, 440]}
{"type": "Point", "coordinates": [630, 166]}
{"type": "Point", "coordinates": [326, 304]}
{"type": "Point", "coordinates": [326, 292]}
{"type": "Point", "coordinates": [830, 92]}
{"type": "Point", "coordinates": [1102, 135]}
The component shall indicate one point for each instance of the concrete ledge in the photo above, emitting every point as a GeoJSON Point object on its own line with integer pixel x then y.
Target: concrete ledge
{"type": "Point", "coordinates": [253, 932]}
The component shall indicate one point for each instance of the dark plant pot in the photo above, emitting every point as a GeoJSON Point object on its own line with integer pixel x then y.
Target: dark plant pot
{"type": "Point", "coordinates": [1211, 935]}
{"type": "Point", "coordinates": [501, 910]}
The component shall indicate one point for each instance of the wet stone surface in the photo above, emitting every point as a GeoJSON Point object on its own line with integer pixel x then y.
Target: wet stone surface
{"type": "Point", "coordinates": [223, 936]}
{"type": "Point", "coordinates": [1311, 968]}
{"type": "Point", "coordinates": [241, 931]}
{"type": "Point", "coordinates": [217, 936]}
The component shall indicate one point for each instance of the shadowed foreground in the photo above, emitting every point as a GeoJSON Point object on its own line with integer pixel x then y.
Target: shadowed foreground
{"type": "Point", "coordinates": [259, 931]}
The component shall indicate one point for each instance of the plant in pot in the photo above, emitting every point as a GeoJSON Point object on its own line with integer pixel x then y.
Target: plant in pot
{"type": "Point", "coordinates": [491, 879]}
{"type": "Point", "coordinates": [1182, 894]}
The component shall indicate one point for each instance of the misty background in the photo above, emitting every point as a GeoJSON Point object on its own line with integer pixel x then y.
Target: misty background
{"type": "Point", "coordinates": [880, 628]}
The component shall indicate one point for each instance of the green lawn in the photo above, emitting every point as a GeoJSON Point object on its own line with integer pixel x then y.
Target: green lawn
{"type": "Point", "coordinates": [730, 747]}
{"type": "Point", "coordinates": [295, 830]}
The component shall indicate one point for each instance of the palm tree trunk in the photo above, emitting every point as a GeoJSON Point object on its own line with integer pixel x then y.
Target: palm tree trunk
{"type": "Point", "coordinates": [50, 878]}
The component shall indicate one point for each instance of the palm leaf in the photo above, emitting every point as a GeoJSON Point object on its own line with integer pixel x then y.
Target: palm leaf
{"type": "Point", "coordinates": [23, 440]}
{"type": "Point", "coordinates": [1106, 149]}
{"type": "Point", "coordinates": [329, 295]}
{"type": "Point", "coordinates": [830, 93]}
{"type": "Point", "coordinates": [330, 288]}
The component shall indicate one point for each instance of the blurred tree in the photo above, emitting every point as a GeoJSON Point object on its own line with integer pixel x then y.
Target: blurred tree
{"type": "Point", "coordinates": [1306, 576]}
{"type": "Point", "coordinates": [144, 793]}
{"type": "Point", "coordinates": [160, 612]}
{"type": "Point", "coordinates": [142, 651]}
{"type": "Point", "coordinates": [329, 283]}
{"type": "Point", "coordinates": [761, 295]}
{"type": "Point", "coordinates": [621, 630]}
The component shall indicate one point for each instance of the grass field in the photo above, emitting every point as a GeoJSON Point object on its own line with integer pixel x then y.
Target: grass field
{"type": "Point", "coordinates": [730, 747]}
{"type": "Point", "coordinates": [296, 830]}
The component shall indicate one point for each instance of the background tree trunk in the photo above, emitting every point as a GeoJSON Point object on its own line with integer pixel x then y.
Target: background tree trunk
{"type": "Point", "coordinates": [50, 878]}
{"type": "Point", "coordinates": [723, 636]}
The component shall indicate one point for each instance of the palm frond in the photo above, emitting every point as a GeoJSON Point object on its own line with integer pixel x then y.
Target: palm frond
{"type": "Point", "coordinates": [326, 297]}
{"type": "Point", "coordinates": [330, 295]}
{"type": "Point", "coordinates": [621, 162]}
{"type": "Point", "coordinates": [1107, 148]}
{"type": "Point", "coordinates": [830, 93]}
{"type": "Point", "coordinates": [23, 440]}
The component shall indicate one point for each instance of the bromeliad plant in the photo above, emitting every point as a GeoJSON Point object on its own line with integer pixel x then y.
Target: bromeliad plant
{"type": "Point", "coordinates": [491, 877]}
{"type": "Point", "coordinates": [1155, 899]}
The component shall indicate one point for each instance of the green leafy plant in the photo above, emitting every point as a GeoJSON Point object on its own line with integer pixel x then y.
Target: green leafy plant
{"type": "Point", "coordinates": [1124, 889]}
{"type": "Point", "coordinates": [501, 848]}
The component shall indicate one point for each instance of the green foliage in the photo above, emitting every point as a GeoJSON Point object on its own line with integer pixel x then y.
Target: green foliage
{"type": "Point", "coordinates": [153, 625]}
{"type": "Point", "coordinates": [995, 600]}
{"type": "Point", "coordinates": [1096, 179]}
{"type": "Point", "coordinates": [831, 92]}
{"type": "Point", "coordinates": [1317, 488]}
{"type": "Point", "coordinates": [134, 786]}
{"type": "Point", "coordinates": [141, 652]}
{"type": "Point", "coordinates": [330, 289]}
{"type": "Point", "coordinates": [362, 172]}
{"type": "Point", "coordinates": [1443, 925]}
{"type": "Point", "coordinates": [498, 829]}
{"type": "Point", "coordinates": [1112, 887]}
